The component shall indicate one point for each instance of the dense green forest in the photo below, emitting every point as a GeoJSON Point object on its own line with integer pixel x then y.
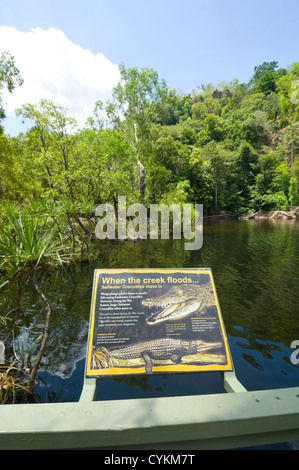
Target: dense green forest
{"type": "Point", "coordinates": [233, 147]}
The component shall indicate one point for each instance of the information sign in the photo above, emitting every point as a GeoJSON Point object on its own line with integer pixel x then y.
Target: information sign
{"type": "Point", "coordinates": [148, 321]}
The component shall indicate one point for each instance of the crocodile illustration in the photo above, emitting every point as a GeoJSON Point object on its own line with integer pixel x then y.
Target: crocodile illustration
{"type": "Point", "coordinates": [179, 302]}
{"type": "Point", "coordinates": [159, 349]}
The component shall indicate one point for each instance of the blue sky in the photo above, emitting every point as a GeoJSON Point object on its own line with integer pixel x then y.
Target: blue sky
{"type": "Point", "coordinates": [189, 43]}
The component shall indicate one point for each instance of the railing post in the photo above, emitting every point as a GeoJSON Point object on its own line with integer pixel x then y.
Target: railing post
{"type": "Point", "coordinates": [89, 390]}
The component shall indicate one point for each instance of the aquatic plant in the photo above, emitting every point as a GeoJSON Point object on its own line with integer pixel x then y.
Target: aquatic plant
{"type": "Point", "coordinates": [27, 243]}
{"type": "Point", "coordinates": [10, 384]}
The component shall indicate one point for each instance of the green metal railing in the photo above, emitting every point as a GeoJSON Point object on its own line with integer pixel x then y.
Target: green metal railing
{"type": "Point", "coordinates": [228, 420]}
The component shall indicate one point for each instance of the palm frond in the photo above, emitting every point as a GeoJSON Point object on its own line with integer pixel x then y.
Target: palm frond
{"type": "Point", "coordinates": [29, 241]}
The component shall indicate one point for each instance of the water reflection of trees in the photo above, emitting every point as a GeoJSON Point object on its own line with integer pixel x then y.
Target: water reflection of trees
{"type": "Point", "coordinates": [68, 327]}
{"type": "Point", "coordinates": [143, 254]}
{"type": "Point", "coordinates": [256, 272]}
{"type": "Point", "coordinates": [69, 291]}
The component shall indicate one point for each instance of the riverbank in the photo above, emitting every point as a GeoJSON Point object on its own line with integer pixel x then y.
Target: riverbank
{"type": "Point", "coordinates": [293, 213]}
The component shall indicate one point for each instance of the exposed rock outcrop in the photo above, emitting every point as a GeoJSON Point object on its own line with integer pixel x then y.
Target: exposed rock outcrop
{"type": "Point", "coordinates": [293, 213]}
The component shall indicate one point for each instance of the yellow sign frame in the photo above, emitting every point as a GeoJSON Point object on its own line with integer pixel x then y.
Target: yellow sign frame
{"type": "Point", "coordinates": [115, 287]}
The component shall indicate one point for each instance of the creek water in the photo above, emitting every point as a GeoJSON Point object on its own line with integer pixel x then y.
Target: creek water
{"type": "Point", "coordinates": [255, 266]}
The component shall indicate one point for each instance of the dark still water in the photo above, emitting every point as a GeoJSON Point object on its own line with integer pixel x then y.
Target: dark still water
{"type": "Point", "coordinates": [256, 271]}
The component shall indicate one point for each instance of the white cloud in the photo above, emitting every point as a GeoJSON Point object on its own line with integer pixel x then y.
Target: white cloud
{"type": "Point", "coordinates": [54, 68]}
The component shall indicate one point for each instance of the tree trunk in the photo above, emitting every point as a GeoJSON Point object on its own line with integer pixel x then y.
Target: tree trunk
{"type": "Point", "coordinates": [141, 179]}
{"type": "Point", "coordinates": [141, 168]}
{"type": "Point", "coordinates": [44, 337]}
{"type": "Point", "coordinates": [216, 195]}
